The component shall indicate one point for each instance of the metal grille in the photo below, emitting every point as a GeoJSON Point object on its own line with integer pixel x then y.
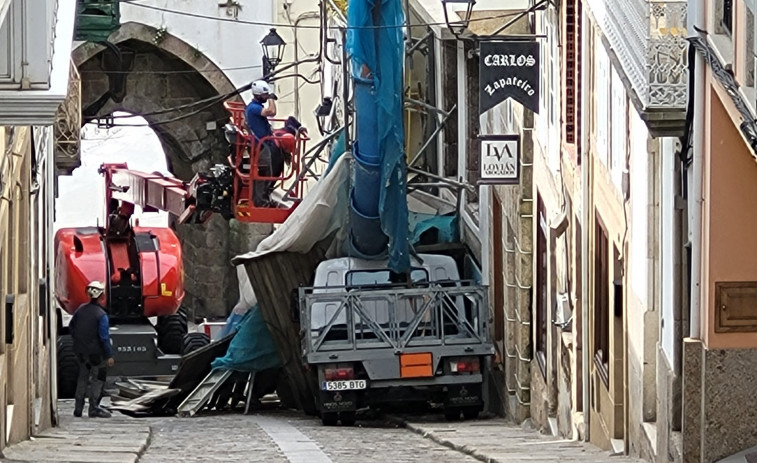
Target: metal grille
{"type": "Point", "coordinates": [67, 126]}
{"type": "Point", "coordinates": [393, 318]}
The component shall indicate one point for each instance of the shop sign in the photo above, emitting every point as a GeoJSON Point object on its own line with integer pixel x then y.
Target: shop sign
{"type": "Point", "coordinates": [509, 69]}
{"type": "Point", "coordinates": [500, 159]}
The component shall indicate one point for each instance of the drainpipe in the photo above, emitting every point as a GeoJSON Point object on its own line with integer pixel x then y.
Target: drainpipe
{"type": "Point", "coordinates": [586, 221]}
{"type": "Point", "coordinates": [696, 8]}
{"type": "Point", "coordinates": [49, 192]}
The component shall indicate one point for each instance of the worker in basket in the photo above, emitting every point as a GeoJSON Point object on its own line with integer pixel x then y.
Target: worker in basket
{"type": "Point", "coordinates": [276, 147]}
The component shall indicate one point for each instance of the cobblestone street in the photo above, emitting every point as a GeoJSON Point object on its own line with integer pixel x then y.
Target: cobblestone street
{"type": "Point", "coordinates": [276, 435]}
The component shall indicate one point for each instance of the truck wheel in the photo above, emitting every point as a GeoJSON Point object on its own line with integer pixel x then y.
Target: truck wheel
{"type": "Point", "coordinates": [68, 367]}
{"type": "Point", "coordinates": [329, 418]}
{"type": "Point", "coordinates": [194, 341]}
{"type": "Point", "coordinates": [171, 331]}
{"type": "Point", "coordinates": [451, 413]}
{"type": "Point", "coordinates": [348, 418]}
{"type": "Point", "coordinates": [470, 413]}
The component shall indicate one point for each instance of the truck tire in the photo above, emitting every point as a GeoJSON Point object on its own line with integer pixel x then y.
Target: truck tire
{"type": "Point", "coordinates": [171, 331]}
{"type": "Point", "coordinates": [194, 341]}
{"type": "Point", "coordinates": [329, 418]}
{"type": "Point", "coordinates": [68, 367]}
{"type": "Point", "coordinates": [347, 418]}
{"type": "Point", "coordinates": [470, 413]}
{"type": "Point", "coordinates": [452, 413]}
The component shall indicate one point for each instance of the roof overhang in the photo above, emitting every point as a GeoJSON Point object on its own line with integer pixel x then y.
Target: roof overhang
{"type": "Point", "coordinates": [39, 107]}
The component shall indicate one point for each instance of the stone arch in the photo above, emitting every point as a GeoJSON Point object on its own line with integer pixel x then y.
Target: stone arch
{"type": "Point", "coordinates": [169, 43]}
{"type": "Point", "coordinates": [162, 74]}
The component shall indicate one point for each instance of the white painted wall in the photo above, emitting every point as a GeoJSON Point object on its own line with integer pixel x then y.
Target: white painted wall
{"type": "Point", "coordinates": [296, 96]}
{"type": "Point", "coordinates": [549, 118]}
{"type": "Point", "coordinates": [668, 241]}
{"type": "Point", "coordinates": [226, 42]}
{"type": "Point", "coordinates": [639, 212]}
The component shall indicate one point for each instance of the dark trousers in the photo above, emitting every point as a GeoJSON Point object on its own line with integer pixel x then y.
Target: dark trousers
{"type": "Point", "coordinates": [270, 164]}
{"type": "Point", "coordinates": [92, 373]}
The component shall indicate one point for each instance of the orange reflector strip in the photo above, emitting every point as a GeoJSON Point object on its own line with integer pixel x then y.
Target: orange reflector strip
{"type": "Point", "coordinates": [416, 365]}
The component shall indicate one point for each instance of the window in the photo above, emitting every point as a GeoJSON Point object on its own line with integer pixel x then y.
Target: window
{"type": "Point", "coordinates": [542, 289]}
{"type": "Point", "coordinates": [601, 100]}
{"type": "Point", "coordinates": [726, 19]}
{"type": "Point", "coordinates": [601, 302]}
{"type": "Point", "coordinates": [384, 277]}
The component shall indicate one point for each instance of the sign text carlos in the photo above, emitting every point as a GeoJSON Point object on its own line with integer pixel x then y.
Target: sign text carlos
{"type": "Point", "coordinates": [509, 69]}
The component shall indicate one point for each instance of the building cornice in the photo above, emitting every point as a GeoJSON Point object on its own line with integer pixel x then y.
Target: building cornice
{"type": "Point", "coordinates": [39, 107]}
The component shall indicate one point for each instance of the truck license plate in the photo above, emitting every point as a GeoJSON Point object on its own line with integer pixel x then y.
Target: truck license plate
{"type": "Point", "coordinates": [344, 385]}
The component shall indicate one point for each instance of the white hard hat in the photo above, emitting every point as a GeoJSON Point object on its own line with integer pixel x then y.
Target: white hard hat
{"type": "Point", "coordinates": [260, 87]}
{"type": "Point", "coordinates": [95, 289]}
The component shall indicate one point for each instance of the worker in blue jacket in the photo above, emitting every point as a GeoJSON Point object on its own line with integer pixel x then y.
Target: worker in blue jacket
{"type": "Point", "coordinates": [270, 157]}
{"type": "Point", "coordinates": [90, 332]}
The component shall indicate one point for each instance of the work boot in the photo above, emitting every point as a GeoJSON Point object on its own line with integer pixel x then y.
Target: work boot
{"type": "Point", "coordinates": [99, 413]}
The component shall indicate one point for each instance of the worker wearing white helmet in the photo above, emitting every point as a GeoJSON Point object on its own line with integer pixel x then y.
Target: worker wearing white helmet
{"type": "Point", "coordinates": [262, 106]}
{"type": "Point", "coordinates": [89, 329]}
{"type": "Point", "coordinates": [270, 158]}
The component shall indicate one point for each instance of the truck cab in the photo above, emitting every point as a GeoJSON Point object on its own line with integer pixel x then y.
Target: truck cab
{"type": "Point", "coordinates": [372, 337]}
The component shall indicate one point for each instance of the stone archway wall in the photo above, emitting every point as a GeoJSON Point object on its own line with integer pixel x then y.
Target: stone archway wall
{"type": "Point", "coordinates": [164, 74]}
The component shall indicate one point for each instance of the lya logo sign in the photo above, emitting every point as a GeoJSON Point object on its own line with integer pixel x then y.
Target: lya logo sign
{"type": "Point", "coordinates": [500, 156]}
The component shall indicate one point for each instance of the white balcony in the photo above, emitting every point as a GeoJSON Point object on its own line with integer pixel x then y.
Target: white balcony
{"type": "Point", "coordinates": [648, 37]}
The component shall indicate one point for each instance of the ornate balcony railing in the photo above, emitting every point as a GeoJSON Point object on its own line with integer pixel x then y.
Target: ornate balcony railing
{"type": "Point", "coordinates": [67, 127]}
{"type": "Point", "coordinates": [649, 39]}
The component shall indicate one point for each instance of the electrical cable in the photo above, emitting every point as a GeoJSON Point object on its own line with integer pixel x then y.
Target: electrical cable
{"type": "Point", "coordinates": [284, 25]}
{"type": "Point", "coordinates": [190, 71]}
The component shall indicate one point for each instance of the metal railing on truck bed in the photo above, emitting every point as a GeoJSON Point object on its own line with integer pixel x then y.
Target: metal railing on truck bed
{"type": "Point", "coordinates": [395, 317]}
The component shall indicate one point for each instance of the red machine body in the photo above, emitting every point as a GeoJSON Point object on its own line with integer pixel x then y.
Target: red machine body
{"type": "Point", "coordinates": [152, 262]}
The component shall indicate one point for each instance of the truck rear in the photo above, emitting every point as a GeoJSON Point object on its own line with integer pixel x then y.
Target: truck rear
{"type": "Point", "coordinates": [372, 337]}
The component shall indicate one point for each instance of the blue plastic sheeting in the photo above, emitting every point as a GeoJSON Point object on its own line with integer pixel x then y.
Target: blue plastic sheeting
{"type": "Point", "coordinates": [252, 348]}
{"type": "Point", "coordinates": [337, 150]}
{"type": "Point", "coordinates": [374, 22]}
{"type": "Point", "coordinates": [445, 225]}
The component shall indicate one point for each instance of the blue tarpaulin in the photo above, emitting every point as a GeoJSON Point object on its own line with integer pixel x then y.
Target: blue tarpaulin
{"type": "Point", "coordinates": [444, 225]}
{"type": "Point", "coordinates": [252, 348]}
{"type": "Point", "coordinates": [376, 47]}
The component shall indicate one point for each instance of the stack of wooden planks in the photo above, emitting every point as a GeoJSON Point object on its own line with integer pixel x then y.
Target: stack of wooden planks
{"type": "Point", "coordinates": [142, 397]}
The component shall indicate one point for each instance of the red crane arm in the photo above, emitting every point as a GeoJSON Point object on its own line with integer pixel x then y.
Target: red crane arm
{"type": "Point", "coordinates": [152, 192]}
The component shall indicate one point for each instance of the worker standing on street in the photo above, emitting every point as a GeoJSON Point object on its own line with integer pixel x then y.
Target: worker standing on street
{"type": "Point", "coordinates": [90, 331]}
{"type": "Point", "coordinates": [270, 157]}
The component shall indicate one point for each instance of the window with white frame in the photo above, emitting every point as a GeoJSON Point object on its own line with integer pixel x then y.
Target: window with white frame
{"type": "Point", "coordinates": [618, 130]}
{"type": "Point", "coordinates": [553, 148]}
{"type": "Point", "coordinates": [601, 100]}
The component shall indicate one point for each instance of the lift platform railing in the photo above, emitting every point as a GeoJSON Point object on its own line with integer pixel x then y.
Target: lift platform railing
{"type": "Point", "coordinates": [245, 160]}
{"type": "Point", "coordinates": [339, 318]}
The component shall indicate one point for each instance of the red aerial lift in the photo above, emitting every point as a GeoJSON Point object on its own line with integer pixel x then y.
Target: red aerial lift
{"type": "Point", "coordinates": [142, 266]}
